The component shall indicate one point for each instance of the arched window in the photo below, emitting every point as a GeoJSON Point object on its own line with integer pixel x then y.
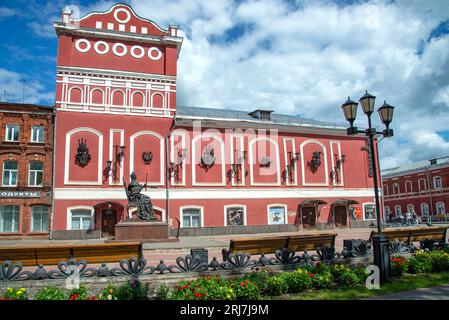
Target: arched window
{"type": "Point", "coordinates": [39, 218]}
{"type": "Point", "coordinates": [76, 95]}
{"type": "Point", "coordinates": [410, 208]}
{"type": "Point", "coordinates": [35, 174]}
{"type": "Point", "coordinates": [424, 209]}
{"type": "Point", "coordinates": [396, 189]}
{"type": "Point", "coordinates": [408, 187]}
{"type": "Point", "coordinates": [118, 98]}
{"type": "Point", "coordinates": [422, 184]}
{"type": "Point", "coordinates": [397, 210]}
{"type": "Point", "coordinates": [440, 208]}
{"type": "Point", "coordinates": [157, 101]}
{"type": "Point", "coordinates": [97, 97]}
{"type": "Point", "coordinates": [138, 100]}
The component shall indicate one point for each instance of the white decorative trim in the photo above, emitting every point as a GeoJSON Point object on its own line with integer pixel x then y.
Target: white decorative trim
{"type": "Point", "coordinates": [242, 145]}
{"type": "Point", "coordinates": [68, 156]}
{"type": "Point", "coordinates": [128, 17]}
{"type": "Point", "coordinates": [287, 178]}
{"type": "Point", "coordinates": [172, 157]}
{"type": "Point", "coordinates": [326, 172]}
{"type": "Point", "coordinates": [215, 193]}
{"type": "Point", "coordinates": [151, 100]}
{"type": "Point", "coordinates": [85, 41]}
{"type": "Point", "coordinates": [421, 208]}
{"type": "Point", "coordinates": [201, 208]}
{"type": "Point", "coordinates": [252, 163]}
{"type": "Point", "coordinates": [98, 24]}
{"type": "Point", "coordinates": [97, 89]}
{"type": "Point", "coordinates": [333, 163]}
{"type": "Point", "coordinates": [194, 164]}
{"type": "Point", "coordinates": [150, 53]}
{"type": "Point", "coordinates": [226, 207]}
{"type": "Point", "coordinates": [111, 156]}
{"type": "Point", "coordinates": [121, 45]}
{"type": "Point", "coordinates": [162, 210]}
{"type": "Point", "coordinates": [69, 214]}
{"type": "Point", "coordinates": [133, 53]}
{"type": "Point", "coordinates": [70, 94]}
{"type": "Point", "coordinates": [112, 97]}
{"type": "Point", "coordinates": [143, 99]}
{"type": "Point", "coordinates": [419, 185]}
{"type": "Point", "coordinates": [101, 43]}
{"type": "Point", "coordinates": [161, 151]}
{"type": "Point", "coordinates": [277, 205]}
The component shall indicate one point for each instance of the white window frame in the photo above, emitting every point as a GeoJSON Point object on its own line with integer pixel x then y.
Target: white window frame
{"type": "Point", "coordinates": [273, 205]}
{"type": "Point", "coordinates": [17, 217]}
{"type": "Point", "coordinates": [363, 208]}
{"type": "Point", "coordinates": [407, 190]}
{"type": "Point", "coordinates": [69, 216]}
{"type": "Point", "coordinates": [387, 211]}
{"type": "Point", "coordinates": [10, 171]}
{"type": "Point", "coordinates": [437, 178]}
{"type": "Point", "coordinates": [438, 204]}
{"type": "Point", "coordinates": [412, 206]}
{"type": "Point", "coordinates": [40, 212]}
{"type": "Point", "coordinates": [424, 205]}
{"type": "Point", "coordinates": [396, 184]}
{"type": "Point", "coordinates": [35, 134]}
{"type": "Point", "coordinates": [9, 127]}
{"type": "Point", "coordinates": [35, 175]}
{"type": "Point", "coordinates": [200, 208]}
{"type": "Point", "coordinates": [395, 211]}
{"type": "Point", "coordinates": [234, 206]}
{"type": "Point", "coordinates": [419, 184]}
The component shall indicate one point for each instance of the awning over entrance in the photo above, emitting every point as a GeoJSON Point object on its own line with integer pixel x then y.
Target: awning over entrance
{"type": "Point", "coordinates": [344, 202]}
{"type": "Point", "coordinates": [312, 202]}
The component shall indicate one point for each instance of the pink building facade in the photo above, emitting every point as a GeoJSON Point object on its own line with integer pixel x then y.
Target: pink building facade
{"type": "Point", "coordinates": [207, 170]}
{"type": "Point", "coordinates": [421, 187]}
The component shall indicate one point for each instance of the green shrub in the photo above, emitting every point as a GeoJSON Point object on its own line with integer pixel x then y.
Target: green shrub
{"type": "Point", "coordinates": [440, 260]}
{"type": "Point", "coordinates": [108, 293]}
{"type": "Point", "coordinates": [163, 292]}
{"type": "Point", "coordinates": [260, 278]}
{"type": "Point", "coordinates": [298, 280]}
{"type": "Point", "coordinates": [348, 279]}
{"type": "Point", "coordinates": [321, 268]}
{"type": "Point", "coordinates": [276, 286]}
{"type": "Point", "coordinates": [345, 277]}
{"type": "Point", "coordinates": [322, 280]}
{"type": "Point", "coordinates": [50, 293]}
{"type": "Point", "coordinates": [399, 265]}
{"type": "Point", "coordinates": [132, 289]}
{"type": "Point", "coordinates": [421, 262]}
{"type": "Point", "coordinates": [15, 294]}
{"type": "Point", "coordinates": [246, 289]}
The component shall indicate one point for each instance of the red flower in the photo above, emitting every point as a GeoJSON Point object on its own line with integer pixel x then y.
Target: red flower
{"type": "Point", "coordinates": [74, 296]}
{"type": "Point", "coordinates": [198, 295]}
{"type": "Point", "coordinates": [310, 274]}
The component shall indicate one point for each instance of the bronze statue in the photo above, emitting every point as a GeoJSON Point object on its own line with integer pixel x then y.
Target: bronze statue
{"type": "Point", "coordinates": [139, 200]}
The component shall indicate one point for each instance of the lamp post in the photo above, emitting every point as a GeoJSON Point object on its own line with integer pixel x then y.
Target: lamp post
{"type": "Point", "coordinates": [380, 241]}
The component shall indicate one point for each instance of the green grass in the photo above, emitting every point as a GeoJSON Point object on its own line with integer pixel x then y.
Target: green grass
{"type": "Point", "coordinates": [404, 283]}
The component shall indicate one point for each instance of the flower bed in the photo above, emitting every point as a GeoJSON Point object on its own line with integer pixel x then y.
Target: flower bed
{"type": "Point", "coordinates": [257, 284]}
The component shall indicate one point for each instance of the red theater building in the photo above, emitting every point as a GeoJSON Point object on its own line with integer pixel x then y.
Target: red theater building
{"type": "Point", "coordinates": [214, 171]}
{"type": "Point", "coordinates": [421, 187]}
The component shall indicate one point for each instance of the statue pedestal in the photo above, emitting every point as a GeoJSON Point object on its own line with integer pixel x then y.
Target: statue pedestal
{"type": "Point", "coordinates": [143, 231]}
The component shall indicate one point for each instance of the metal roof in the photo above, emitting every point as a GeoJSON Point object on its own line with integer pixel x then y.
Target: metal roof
{"type": "Point", "coordinates": [416, 166]}
{"type": "Point", "coordinates": [237, 115]}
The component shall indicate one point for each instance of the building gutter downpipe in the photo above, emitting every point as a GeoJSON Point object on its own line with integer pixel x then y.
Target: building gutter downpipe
{"type": "Point", "coordinates": [53, 177]}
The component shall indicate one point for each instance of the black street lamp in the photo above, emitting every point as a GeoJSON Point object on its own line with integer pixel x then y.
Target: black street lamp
{"type": "Point", "coordinates": [380, 241]}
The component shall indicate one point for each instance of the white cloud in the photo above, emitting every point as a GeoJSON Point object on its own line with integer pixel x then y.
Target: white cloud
{"type": "Point", "coordinates": [12, 83]}
{"type": "Point", "coordinates": [6, 12]}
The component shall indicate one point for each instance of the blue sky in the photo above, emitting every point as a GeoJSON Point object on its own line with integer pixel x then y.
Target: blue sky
{"type": "Point", "coordinates": [295, 57]}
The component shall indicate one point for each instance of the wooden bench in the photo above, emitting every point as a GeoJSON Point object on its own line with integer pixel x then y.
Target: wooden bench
{"type": "Point", "coordinates": [267, 245]}
{"type": "Point", "coordinates": [414, 234]}
{"type": "Point", "coordinates": [53, 254]}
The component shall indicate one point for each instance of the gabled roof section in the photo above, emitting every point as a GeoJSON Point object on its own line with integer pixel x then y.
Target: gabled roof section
{"type": "Point", "coordinates": [121, 17]}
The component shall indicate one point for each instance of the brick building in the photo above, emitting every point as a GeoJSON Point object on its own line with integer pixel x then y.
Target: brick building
{"type": "Point", "coordinates": [26, 158]}
{"type": "Point", "coordinates": [422, 187]}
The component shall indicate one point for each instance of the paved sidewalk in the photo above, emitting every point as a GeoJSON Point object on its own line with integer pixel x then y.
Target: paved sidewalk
{"type": "Point", "coordinates": [433, 293]}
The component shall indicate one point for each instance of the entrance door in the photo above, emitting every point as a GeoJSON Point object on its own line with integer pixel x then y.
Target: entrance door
{"type": "Point", "coordinates": [108, 222]}
{"type": "Point", "coordinates": [340, 216]}
{"type": "Point", "coordinates": [308, 217]}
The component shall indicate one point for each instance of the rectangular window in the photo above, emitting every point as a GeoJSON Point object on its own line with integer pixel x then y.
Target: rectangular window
{"type": "Point", "coordinates": [39, 218]}
{"type": "Point", "coordinates": [9, 218]}
{"type": "Point", "coordinates": [437, 182]}
{"type": "Point", "coordinates": [191, 218]}
{"type": "Point", "coordinates": [440, 208]}
{"type": "Point", "coordinates": [276, 215]}
{"type": "Point", "coordinates": [36, 173]}
{"type": "Point", "coordinates": [424, 209]}
{"type": "Point", "coordinates": [12, 132]}
{"type": "Point", "coordinates": [37, 134]}
{"type": "Point", "coordinates": [397, 210]}
{"type": "Point", "coordinates": [81, 219]}
{"type": "Point", "coordinates": [410, 208]}
{"type": "Point", "coordinates": [234, 216]}
{"type": "Point", "coordinates": [10, 173]}
{"type": "Point", "coordinates": [369, 212]}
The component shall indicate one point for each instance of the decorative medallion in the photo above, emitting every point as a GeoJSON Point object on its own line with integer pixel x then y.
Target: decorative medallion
{"type": "Point", "coordinates": [147, 156]}
{"type": "Point", "coordinates": [82, 156]}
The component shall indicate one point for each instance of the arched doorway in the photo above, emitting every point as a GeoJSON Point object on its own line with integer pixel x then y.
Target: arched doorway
{"type": "Point", "coordinates": [107, 215]}
{"type": "Point", "coordinates": [309, 213]}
